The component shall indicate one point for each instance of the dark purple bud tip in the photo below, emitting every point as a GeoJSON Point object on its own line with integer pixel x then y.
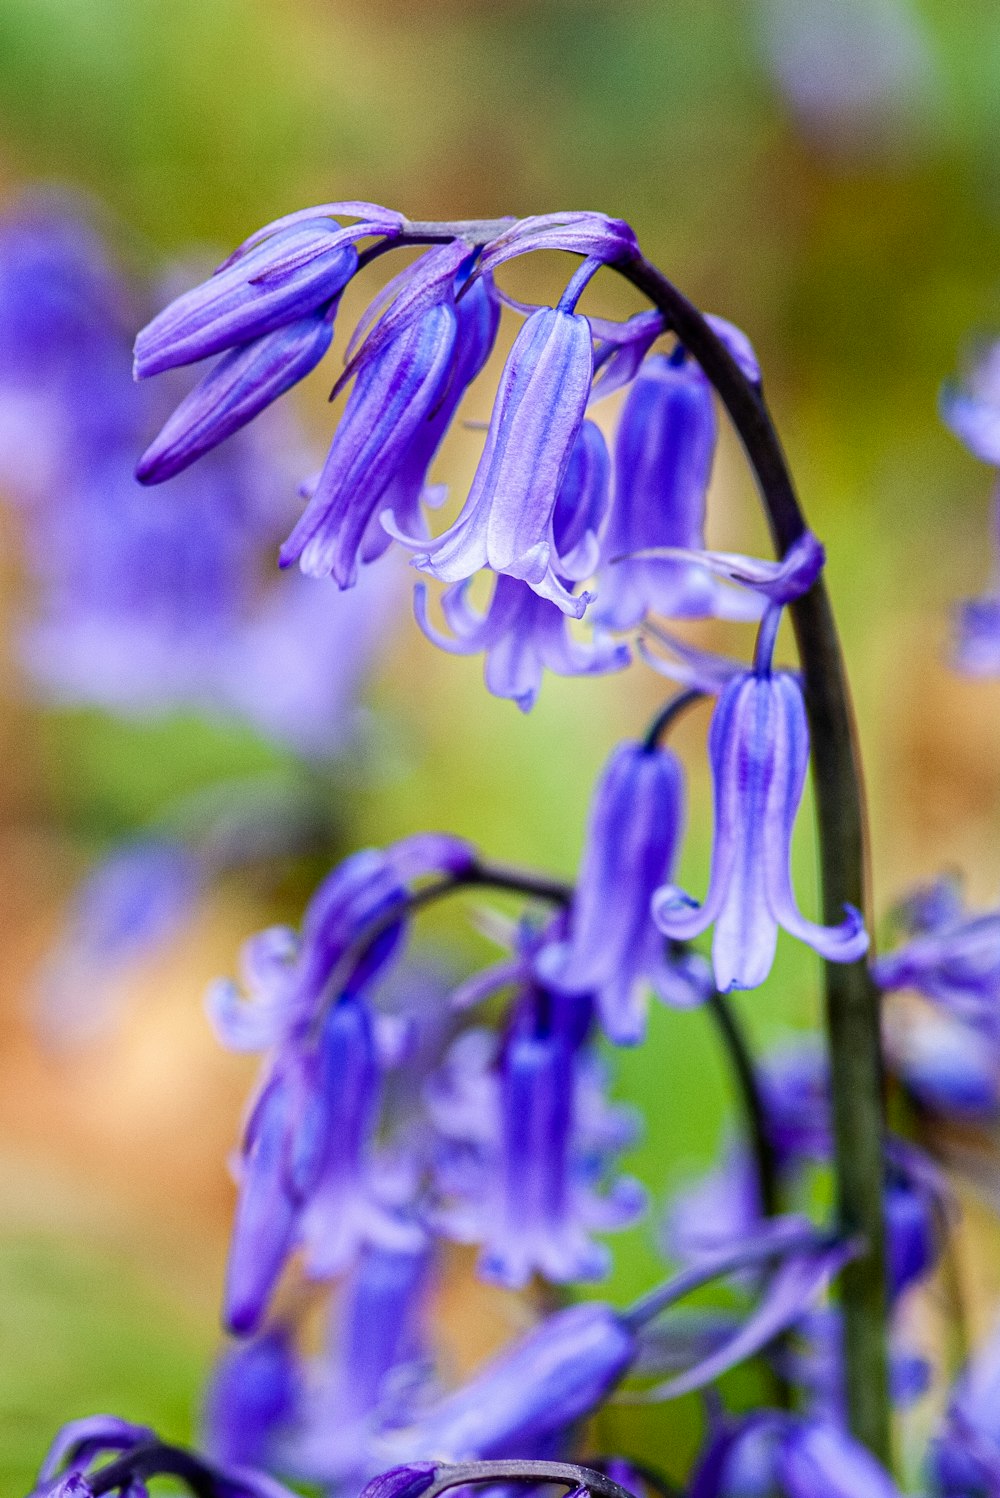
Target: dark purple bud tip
{"type": "Point", "coordinates": [402, 1482]}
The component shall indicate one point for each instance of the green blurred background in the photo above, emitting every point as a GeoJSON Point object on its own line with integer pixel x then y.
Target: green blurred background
{"type": "Point", "coordinates": [823, 172]}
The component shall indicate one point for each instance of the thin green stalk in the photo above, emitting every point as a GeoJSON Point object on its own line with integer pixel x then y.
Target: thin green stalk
{"type": "Point", "coordinates": [852, 1001]}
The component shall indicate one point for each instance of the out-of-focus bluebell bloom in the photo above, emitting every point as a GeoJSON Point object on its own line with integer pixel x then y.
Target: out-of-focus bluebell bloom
{"type": "Point", "coordinates": [63, 310]}
{"type": "Point", "coordinates": [794, 1082]}
{"type": "Point", "coordinates": [769, 1452]}
{"type": "Point", "coordinates": [964, 1458]}
{"type": "Point", "coordinates": [971, 405]}
{"type": "Point", "coordinates": [952, 957]}
{"type": "Point", "coordinates": [718, 1207]}
{"type": "Point", "coordinates": [613, 948]}
{"type": "Point", "coordinates": [507, 520]}
{"type": "Point", "coordinates": [859, 77]}
{"type": "Point", "coordinates": [146, 603]}
{"type": "Point", "coordinates": [725, 1204]}
{"type": "Point", "coordinates": [309, 1172]}
{"type": "Point", "coordinates": [375, 1362]}
{"type": "Point", "coordinates": [812, 1362]}
{"type": "Point", "coordinates": [528, 1398]}
{"type": "Point", "coordinates": [528, 1145]}
{"type": "Point", "coordinates": [951, 1068]}
{"type": "Point", "coordinates": [759, 751]}
{"type": "Point", "coordinates": [127, 906]}
{"type": "Point", "coordinates": [252, 1397]}
{"type": "Point", "coordinates": [523, 633]}
{"type": "Point", "coordinates": [976, 621]}
{"type": "Point", "coordinates": [524, 1399]}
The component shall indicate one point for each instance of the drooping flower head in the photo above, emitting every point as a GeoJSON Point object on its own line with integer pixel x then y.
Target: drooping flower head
{"type": "Point", "coordinates": [759, 753]}
{"type": "Point", "coordinates": [528, 1142]}
{"type": "Point", "coordinates": [310, 1172]}
{"type": "Point", "coordinates": [613, 948]}
{"type": "Point", "coordinates": [523, 633]}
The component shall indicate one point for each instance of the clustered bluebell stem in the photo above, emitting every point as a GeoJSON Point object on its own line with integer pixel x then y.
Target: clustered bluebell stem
{"type": "Point", "coordinates": [506, 1137]}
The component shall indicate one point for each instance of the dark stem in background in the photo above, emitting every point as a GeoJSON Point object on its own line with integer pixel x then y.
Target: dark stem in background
{"type": "Point", "coordinates": [741, 1061]}
{"type": "Point", "coordinates": [668, 715]}
{"type": "Point", "coordinates": [852, 1001]}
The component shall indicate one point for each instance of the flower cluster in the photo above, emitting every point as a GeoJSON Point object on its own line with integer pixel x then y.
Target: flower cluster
{"type": "Point", "coordinates": [566, 531]}
{"type": "Point", "coordinates": [389, 1120]}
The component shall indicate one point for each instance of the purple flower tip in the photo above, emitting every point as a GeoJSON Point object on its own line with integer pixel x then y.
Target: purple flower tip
{"type": "Point", "coordinates": [408, 1481]}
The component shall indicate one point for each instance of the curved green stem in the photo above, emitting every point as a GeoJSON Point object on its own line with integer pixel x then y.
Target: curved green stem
{"type": "Point", "coordinates": [852, 1001]}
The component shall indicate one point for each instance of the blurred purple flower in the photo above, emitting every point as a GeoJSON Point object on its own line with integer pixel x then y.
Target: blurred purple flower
{"type": "Point", "coordinates": [127, 906]}
{"type": "Point", "coordinates": [528, 1142]}
{"type": "Point", "coordinates": [368, 1375]}
{"type": "Point", "coordinates": [613, 948]}
{"type": "Point", "coordinates": [663, 461]}
{"type": "Point", "coordinates": [952, 958]}
{"type": "Point", "coordinates": [252, 1397]}
{"type": "Point", "coordinates": [310, 1173]}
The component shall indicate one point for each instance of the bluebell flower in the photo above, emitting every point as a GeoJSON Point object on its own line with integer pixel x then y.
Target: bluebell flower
{"type": "Point", "coordinates": [391, 399]}
{"type": "Point", "coordinates": [976, 621]}
{"type": "Point", "coordinates": [145, 603]}
{"type": "Point", "coordinates": [971, 405]}
{"type": "Point", "coordinates": [524, 1399]}
{"type": "Point", "coordinates": [235, 390]}
{"type": "Point", "coordinates": [132, 1455]}
{"type": "Point", "coordinates": [309, 1172]}
{"type": "Point", "coordinates": [523, 633]}
{"type": "Point", "coordinates": [775, 1453]}
{"type": "Point", "coordinates": [759, 751]}
{"type": "Point", "coordinates": [951, 1068]}
{"type": "Point", "coordinates": [663, 461]}
{"type": "Point", "coordinates": [129, 904]}
{"type": "Point", "coordinates": [77, 1446]}
{"type": "Point", "coordinates": [613, 948]}
{"type": "Point", "coordinates": [290, 274]}
{"type": "Point", "coordinates": [952, 958]}
{"type": "Point", "coordinates": [372, 1369]}
{"type": "Point", "coordinates": [528, 1141]}
{"type": "Point", "coordinates": [581, 233]}
{"type": "Point", "coordinates": [252, 1397]}
{"type": "Point", "coordinates": [964, 1457]}
{"type": "Point", "coordinates": [528, 1398]}
{"type": "Point", "coordinates": [506, 521]}
{"type": "Point", "coordinates": [478, 314]}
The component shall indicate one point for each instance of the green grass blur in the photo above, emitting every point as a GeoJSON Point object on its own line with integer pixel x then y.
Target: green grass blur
{"type": "Point", "coordinates": [857, 262]}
